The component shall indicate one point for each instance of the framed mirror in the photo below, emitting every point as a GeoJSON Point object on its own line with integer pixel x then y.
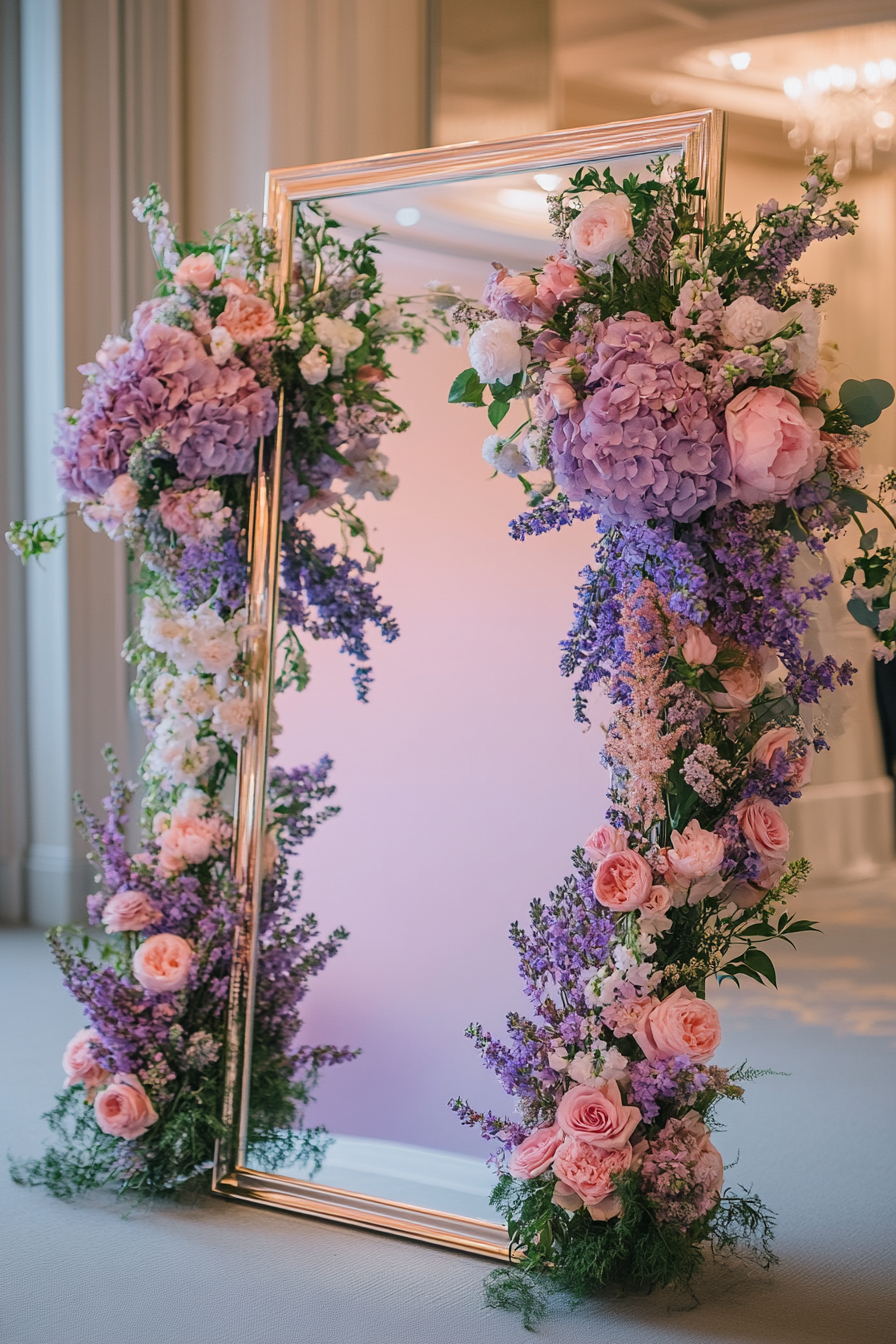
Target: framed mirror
{"type": "Point", "coordinates": [464, 777]}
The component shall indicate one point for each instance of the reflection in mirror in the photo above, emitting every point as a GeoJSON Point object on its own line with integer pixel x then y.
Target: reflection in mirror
{"type": "Point", "coordinates": [464, 776]}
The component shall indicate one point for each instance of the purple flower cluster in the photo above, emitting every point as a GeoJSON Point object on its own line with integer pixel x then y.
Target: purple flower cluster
{"type": "Point", "coordinates": [345, 602]}
{"type": "Point", "coordinates": [642, 444]}
{"type": "Point", "coordinates": [213, 570]}
{"type": "Point", "coordinates": [209, 416]}
{"type": "Point", "coordinates": [673, 1079]}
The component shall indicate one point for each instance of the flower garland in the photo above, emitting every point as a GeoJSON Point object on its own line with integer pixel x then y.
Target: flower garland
{"type": "Point", "coordinates": [162, 453]}
{"type": "Point", "coordinates": [681, 398]}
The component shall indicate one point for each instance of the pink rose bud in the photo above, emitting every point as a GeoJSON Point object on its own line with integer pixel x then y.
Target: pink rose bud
{"type": "Point", "coordinates": [603, 841]}
{"type": "Point", "coordinates": [248, 318]}
{"type": "Point", "coordinates": [198, 270]}
{"type": "Point", "coordinates": [78, 1060]}
{"type": "Point", "coordinates": [603, 229]}
{"type": "Point", "coordinates": [123, 1109]}
{"type": "Point", "coordinates": [785, 741]}
{"type": "Point", "coordinates": [129, 912]}
{"type": "Point", "coordinates": [536, 1152]}
{"type": "Point", "coordinates": [697, 648]}
{"type": "Point", "coordinates": [623, 881]}
{"type": "Point", "coordinates": [682, 1024]}
{"type": "Point", "coordinates": [162, 963]}
{"type": "Point", "coordinates": [657, 901]}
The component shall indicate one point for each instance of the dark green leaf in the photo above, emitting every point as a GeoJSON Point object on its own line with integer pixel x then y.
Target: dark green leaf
{"type": "Point", "coordinates": [854, 499]}
{"type": "Point", "coordinates": [864, 401]}
{"type": "Point", "coordinates": [859, 612]}
{"type": "Point", "coordinates": [759, 961]}
{"type": "Point", "coordinates": [497, 411]}
{"type": "Point", "coordinates": [467, 388]}
{"type": "Point", "coordinates": [869, 540]}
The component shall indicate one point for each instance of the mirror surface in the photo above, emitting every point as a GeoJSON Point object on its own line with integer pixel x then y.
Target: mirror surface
{"type": "Point", "coordinates": [464, 783]}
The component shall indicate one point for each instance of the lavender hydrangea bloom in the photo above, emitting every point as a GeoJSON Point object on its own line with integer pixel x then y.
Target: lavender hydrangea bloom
{"type": "Point", "coordinates": [210, 416]}
{"type": "Point", "coordinates": [643, 443]}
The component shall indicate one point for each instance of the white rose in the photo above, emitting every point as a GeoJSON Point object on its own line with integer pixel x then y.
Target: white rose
{"type": "Point", "coordinates": [216, 653]}
{"type": "Point", "coordinates": [746, 322]}
{"type": "Point", "coordinates": [602, 229]}
{"type": "Point", "coordinates": [314, 366]}
{"type": "Point", "coordinates": [221, 343]}
{"type": "Point", "coordinates": [504, 456]}
{"type": "Point", "coordinates": [231, 718]}
{"type": "Point", "coordinates": [803, 349]}
{"type": "Point", "coordinates": [339, 336]}
{"type": "Point", "coordinates": [495, 351]}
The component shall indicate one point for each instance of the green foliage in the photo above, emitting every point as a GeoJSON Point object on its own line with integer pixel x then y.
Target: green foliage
{"type": "Point", "coordinates": [35, 539]}
{"type": "Point", "coordinates": [864, 401]}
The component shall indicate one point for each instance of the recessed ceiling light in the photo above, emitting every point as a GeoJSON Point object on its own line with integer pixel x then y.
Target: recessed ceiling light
{"type": "Point", "coordinates": [887, 69]}
{"type": "Point", "coordinates": [718, 59]}
{"type": "Point", "coordinates": [740, 60]}
{"type": "Point", "coordinates": [407, 215]}
{"type": "Point", "coordinates": [534, 202]}
{"type": "Point", "coordinates": [547, 181]}
{"type": "Point", "coordinates": [793, 87]}
{"type": "Point", "coordinates": [884, 120]}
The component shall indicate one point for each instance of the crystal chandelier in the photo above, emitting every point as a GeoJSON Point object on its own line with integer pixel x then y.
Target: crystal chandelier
{"type": "Point", "coordinates": [845, 110]}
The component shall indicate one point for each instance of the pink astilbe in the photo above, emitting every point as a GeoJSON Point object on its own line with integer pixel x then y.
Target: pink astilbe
{"type": "Point", "coordinates": [640, 741]}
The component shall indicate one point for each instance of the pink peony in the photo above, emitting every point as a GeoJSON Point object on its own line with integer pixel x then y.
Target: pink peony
{"type": "Point", "coordinates": [774, 443]}
{"type": "Point", "coordinates": [596, 1112]}
{"type": "Point", "coordinates": [536, 1152]}
{"type": "Point", "coordinates": [78, 1060]}
{"type": "Point", "coordinates": [768, 833]}
{"type": "Point", "coordinates": [623, 880]}
{"type": "Point", "coordinates": [694, 860]}
{"type": "Point", "coordinates": [162, 963]}
{"type": "Point", "coordinates": [603, 229]}
{"type": "Point", "coordinates": [248, 318]}
{"type": "Point", "coordinates": [585, 1176]}
{"type": "Point", "coordinates": [129, 912]}
{"type": "Point", "coordinates": [697, 648]}
{"type": "Point", "coordinates": [843, 453]}
{"type": "Point", "coordinates": [558, 283]}
{"type": "Point", "coordinates": [198, 270]}
{"type": "Point", "coordinates": [123, 1109]}
{"type": "Point", "coordinates": [682, 1024]}
{"type": "Point", "coordinates": [603, 841]}
{"type": "Point", "coordinates": [784, 740]}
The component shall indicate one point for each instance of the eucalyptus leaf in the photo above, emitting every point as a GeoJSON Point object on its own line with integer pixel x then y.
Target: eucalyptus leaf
{"type": "Point", "coordinates": [864, 401]}
{"type": "Point", "coordinates": [859, 612]}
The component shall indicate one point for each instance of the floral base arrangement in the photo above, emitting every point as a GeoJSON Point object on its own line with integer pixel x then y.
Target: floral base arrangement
{"type": "Point", "coordinates": [675, 390]}
{"type": "Point", "coordinates": [161, 455]}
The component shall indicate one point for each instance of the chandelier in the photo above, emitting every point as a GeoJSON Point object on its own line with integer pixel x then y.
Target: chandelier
{"type": "Point", "coordinates": [846, 111]}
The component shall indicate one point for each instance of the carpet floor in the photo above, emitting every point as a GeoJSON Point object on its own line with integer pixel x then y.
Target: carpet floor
{"type": "Point", "coordinates": [817, 1144]}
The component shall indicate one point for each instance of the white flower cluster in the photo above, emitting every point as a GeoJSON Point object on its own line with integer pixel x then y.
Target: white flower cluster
{"type": "Point", "coordinates": [188, 712]}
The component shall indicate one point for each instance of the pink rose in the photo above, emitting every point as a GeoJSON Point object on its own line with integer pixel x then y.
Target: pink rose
{"type": "Point", "coordinates": [774, 443]}
{"type": "Point", "coordinates": [78, 1060]}
{"type": "Point", "coordinates": [129, 912]}
{"type": "Point", "coordinates": [189, 839]}
{"type": "Point", "coordinates": [625, 1016]}
{"type": "Point", "coordinates": [162, 963]}
{"type": "Point", "coordinates": [596, 1112]}
{"type": "Point", "coordinates": [603, 229]}
{"type": "Point", "coordinates": [695, 859]}
{"type": "Point", "coordinates": [248, 318]}
{"type": "Point", "coordinates": [558, 283]}
{"type": "Point", "coordinates": [843, 453]}
{"type": "Point", "coordinates": [585, 1174]}
{"type": "Point", "coordinates": [198, 270]}
{"type": "Point", "coordinates": [657, 901]}
{"type": "Point", "coordinates": [557, 386]}
{"type": "Point", "coordinates": [697, 648]}
{"type": "Point", "coordinates": [123, 1109]}
{"type": "Point", "coordinates": [536, 1152]}
{"type": "Point", "coordinates": [603, 841]}
{"type": "Point", "coordinates": [743, 684]}
{"type": "Point", "coordinates": [783, 740]}
{"type": "Point", "coordinates": [623, 880]}
{"type": "Point", "coordinates": [768, 833]}
{"type": "Point", "coordinates": [682, 1024]}
{"type": "Point", "coordinates": [235, 284]}
{"type": "Point", "coordinates": [509, 296]}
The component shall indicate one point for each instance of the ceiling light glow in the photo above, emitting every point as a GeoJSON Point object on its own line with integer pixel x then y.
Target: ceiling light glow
{"type": "Point", "coordinates": [793, 87]}
{"type": "Point", "coordinates": [718, 59]}
{"type": "Point", "coordinates": [532, 202]}
{"type": "Point", "coordinates": [884, 120]}
{"type": "Point", "coordinates": [407, 215]}
{"type": "Point", "coordinates": [547, 181]}
{"type": "Point", "coordinates": [887, 70]}
{"type": "Point", "coordinates": [740, 60]}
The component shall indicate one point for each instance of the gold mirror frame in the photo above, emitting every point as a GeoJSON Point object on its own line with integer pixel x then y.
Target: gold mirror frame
{"type": "Point", "coordinates": [699, 138]}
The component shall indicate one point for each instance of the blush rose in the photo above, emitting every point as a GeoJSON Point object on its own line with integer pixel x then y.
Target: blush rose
{"type": "Point", "coordinates": [623, 880]}
{"type": "Point", "coordinates": [694, 860]}
{"type": "Point", "coordinates": [558, 283]}
{"type": "Point", "coordinates": [248, 318]}
{"type": "Point", "coordinates": [604, 840]}
{"type": "Point", "coordinates": [597, 1113]}
{"type": "Point", "coordinates": [129, 912]}
{"type": "Point", "coordinates": [123, 1109]}
{"type": "Point", "coordinates": [768, 833]}
{"type": "Point", "coordinates": [774, 443]}
{"type": "Point", "coordinates": [585, 1176]}
{"type": "Point", "coordinates": [536, 1152]}
{"type": "Point", "coordinates": [784, 740]}
{"type": "Point", "coordinates": [697, 649]}
{"type": "Point", "coordinates": [162, 963]}
{"type": "Point", "coordinates": [79, 1062]}
{"type": "Point", "coordinates": [495, 352]}
{"type": "Point", "coordinates": [198, 270]}
{"type": "Point", "coordinates": [682, 1024]}
{"type": "Point", "coordinates": [603, 229]}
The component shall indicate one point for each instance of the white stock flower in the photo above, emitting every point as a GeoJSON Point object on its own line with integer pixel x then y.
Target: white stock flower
{"type": "Point", "coordinates": [178, 754]}
{"type": "Point", "coordinates": [294, 329]}
{"type": "Point", "coordinates": [231, 718]}
{"type": "Point", "coordinates": [314, 366]}
{"type": "Point", "coordinates": [371, 477]}
{"type": "Point", "coordinates": [340, 338]}
{"type": "Point", "coordinates": [495, 352]}
{"type": "Point", "coordinates": [581, 1068]}
{"type": "Point", "coordinates": [614, 1066]}
{"type": "Point", "coordinates": [390, 318]}
{"type": "Point", "coordinates": [747, 322]}
{"type": "Point", "coordinates": [504, 456]}
{"type": "Point", "coordinates": [221, 343]}
{"type": "Point", "coordinates": [803, 349]}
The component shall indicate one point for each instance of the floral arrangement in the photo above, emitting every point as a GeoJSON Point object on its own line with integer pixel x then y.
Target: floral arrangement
{"type": "Point", "coordinates": [161, 453]}
{"type": "Point", "coordinates": [675, 390]}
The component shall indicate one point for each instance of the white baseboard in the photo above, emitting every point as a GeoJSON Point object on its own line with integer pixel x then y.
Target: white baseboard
{"type": "Point", "coordinates": [845, 828]}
